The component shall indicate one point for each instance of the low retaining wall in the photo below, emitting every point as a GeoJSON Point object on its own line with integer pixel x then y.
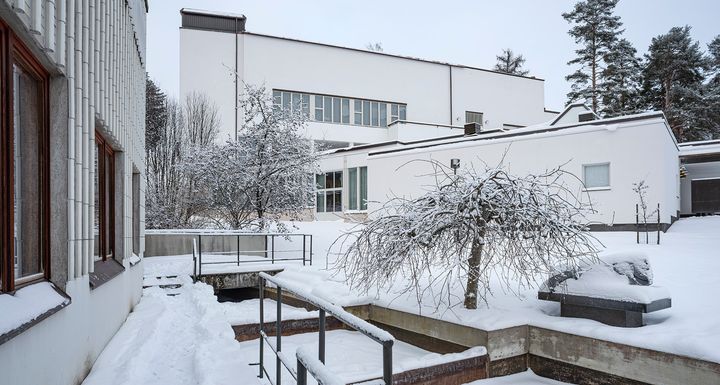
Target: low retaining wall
{"type": "Point", "coordinates": [159, 245]}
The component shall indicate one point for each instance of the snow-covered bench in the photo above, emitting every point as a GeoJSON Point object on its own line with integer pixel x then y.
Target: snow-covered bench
{"type": "Point", "coordinates": [616, 291]}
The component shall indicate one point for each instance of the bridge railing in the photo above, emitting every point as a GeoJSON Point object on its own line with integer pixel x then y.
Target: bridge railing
{"type": "Point", "coordinates": [304, 361]}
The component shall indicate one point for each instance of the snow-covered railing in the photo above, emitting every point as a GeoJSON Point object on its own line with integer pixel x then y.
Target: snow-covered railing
{"type": "Point", "coordinates": [305, 362]}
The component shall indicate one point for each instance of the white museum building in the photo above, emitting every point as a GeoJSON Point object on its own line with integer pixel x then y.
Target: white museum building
{"type": "Point", "coordinates": [73, 175]}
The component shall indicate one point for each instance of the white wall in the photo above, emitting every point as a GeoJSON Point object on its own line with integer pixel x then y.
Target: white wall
{"type": "Point", "coordinates": [635, 151]}
{"type": "Point", "coordinates": [319, 69]}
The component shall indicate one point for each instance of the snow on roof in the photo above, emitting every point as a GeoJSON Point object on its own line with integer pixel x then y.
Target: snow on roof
{"type": "Point", "coordinates": [542, 128]}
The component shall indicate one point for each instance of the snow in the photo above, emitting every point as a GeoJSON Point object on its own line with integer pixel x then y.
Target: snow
{"type": "Point", "coordinates": [246, 312]}
{"type": "Point", "coordinates": [524, 378]}
{"type": "Point", "coordinates": [180, 340]}
{"type": "Point", "coordinates": [27, 304]}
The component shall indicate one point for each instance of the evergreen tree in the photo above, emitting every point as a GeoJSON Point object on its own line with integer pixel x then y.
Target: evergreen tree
{"type": "Point", "coordinates": [673, 82]}
{"type": "Point", "coordinates": [596, 30]}
{"type": "Point", "coordinates": [155, 114]}
{"type": "Point", "coordinates": [714, 52]}
{"type": "Point", "coordinates": [509, 63]}
{"type": "Point", "coordinates": [621, 79]}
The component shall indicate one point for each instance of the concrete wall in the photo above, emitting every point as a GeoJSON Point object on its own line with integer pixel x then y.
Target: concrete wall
{"type": "Point", "coordinates": [208, 61]}
{"type": "Point", "coordinates": [157, 245]}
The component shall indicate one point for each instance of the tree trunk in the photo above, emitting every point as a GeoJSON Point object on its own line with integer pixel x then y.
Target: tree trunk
{"type": "Point", "coordinates": [473, 273]}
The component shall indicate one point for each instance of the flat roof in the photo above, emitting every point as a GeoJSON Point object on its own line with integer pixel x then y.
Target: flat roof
{"type": "Point", "coordinates": [227, 15]}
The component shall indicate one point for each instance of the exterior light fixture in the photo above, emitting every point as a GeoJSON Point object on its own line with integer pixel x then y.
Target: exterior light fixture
{"type": "Point", "coordinates": [455, 164]}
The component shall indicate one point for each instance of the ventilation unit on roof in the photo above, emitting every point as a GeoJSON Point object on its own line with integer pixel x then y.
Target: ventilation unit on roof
{"type": "Point", "coordinates": [472, 128]}
{"type": "Point", "coordinates": [586, 117]}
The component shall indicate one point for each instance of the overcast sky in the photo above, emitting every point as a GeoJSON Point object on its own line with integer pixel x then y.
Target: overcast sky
{"type": "Point", "coordinates": [460, 32]}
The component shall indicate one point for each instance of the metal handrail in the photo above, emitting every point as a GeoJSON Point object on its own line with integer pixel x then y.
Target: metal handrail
{"type": "Point", "coordinates": [305, 365]}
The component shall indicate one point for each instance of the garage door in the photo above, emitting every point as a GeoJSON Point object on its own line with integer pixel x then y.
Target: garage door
{"type": "Point", "coordinates": [706, 195]}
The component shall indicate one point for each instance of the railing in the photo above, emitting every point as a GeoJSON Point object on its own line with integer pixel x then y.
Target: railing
{"type": "Point", "coordinates": [270, 254]}
{"type": "Point", "coordinates": [304, 360]}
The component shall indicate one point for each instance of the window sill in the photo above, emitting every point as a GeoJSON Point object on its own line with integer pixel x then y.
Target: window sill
{"type": "Point", "coordinates": [104, 272]}
{"type": "Point", "coordinates": [29, 306]}
{"type": "Point", "coordinates": [591, 189]}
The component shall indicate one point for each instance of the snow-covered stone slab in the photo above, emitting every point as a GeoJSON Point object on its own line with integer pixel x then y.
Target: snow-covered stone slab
{"type": "Point", "coordinates": [615, 291]}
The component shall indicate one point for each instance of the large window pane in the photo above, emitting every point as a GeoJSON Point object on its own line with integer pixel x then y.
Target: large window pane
{"type": "Point", "coordinates": [363, 188]}
{"type": "Point", "coordinates": [596, 175]}
{"type": "Point", "coordinates": [306, 105]}
{"type": "Point", "coordinates": [320, 181]}
{"type": "Point", "coordinates": [277, 98]}
{"type": "Point", "coordinates": [336, 110]}
{"type": "Point", "coordinates": [296, 102]}
{"type": "Point", "coordinates": [402, 113]}
{"type": "Point", "coordinates": [346, 111]}
{"type": "Point", "coordinates": [352, 189]}
{"type": "Point", "coordinates": [27, 123]}
{"type": "Point", "coordinates": [374, 114]}
{"type": "Point", "coordinates": [329, 180]}
{"type": "Point", "coordinates": [319, 108]}
{"type": "Point", "coordinates": [358, 112]}
{"type": "Point", "coordinates": [383, 115]}
{"type": "Point", "coordinates": [329, 201]}
{"type": "Point", "coordinates": [366, 113]}
{"type": "Point", "coordinates": [328, 109]}
{"type": "Point", "coordinates": [320, 202]}
{"type": "Point", "coordinates": [338, 201]}
{"type": "Point", "coordinates": [286, 101]}
{"type": "Point", "coordinates": [338, 179]}
{"type": "Point", "coordinates": [394, 113]}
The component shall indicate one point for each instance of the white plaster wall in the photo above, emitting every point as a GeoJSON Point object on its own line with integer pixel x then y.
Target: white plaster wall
{"type": "Point", "coordinates": [695, 171]}
{"type": "Point", "coordinates": [319, 69]}
{"type": "Point", "coordinates": [635, 152]}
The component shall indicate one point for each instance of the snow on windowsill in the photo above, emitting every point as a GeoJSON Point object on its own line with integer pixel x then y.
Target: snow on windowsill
{"type": "Point", "coordinates": [134, 259]}
{"type": "Point", "coordinates": [29, 304]}
{"type": "Point", "coordinates": [591, 189]}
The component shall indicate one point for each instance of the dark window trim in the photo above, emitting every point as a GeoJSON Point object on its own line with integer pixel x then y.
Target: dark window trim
{"type": "Point", "coordinates": [13, 50]}
{"type": "Point", "coordinates": [104, 271]}
{"type": "Point", "coordinates": [105, 152]}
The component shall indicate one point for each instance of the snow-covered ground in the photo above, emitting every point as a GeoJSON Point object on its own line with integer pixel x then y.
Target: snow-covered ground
{"type": "Point", "coordinates": [524, 378]}
{"type": "Point", "coordinates": [187, 339]}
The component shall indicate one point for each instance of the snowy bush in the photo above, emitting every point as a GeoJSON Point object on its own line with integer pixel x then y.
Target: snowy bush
{"type": "Point", "coordinates": [470, 227]}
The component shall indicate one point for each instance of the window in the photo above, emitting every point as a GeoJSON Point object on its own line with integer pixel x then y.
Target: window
{"type": "Point", "coordinates": [336, 110]}
{"type": "Point", "coordinates": [383, 115]}
{"type": "Point", "coordinates": [292, 101]}
{"type": "Point", "coordinates": [104, 200]}
{"type": "Point", "coordinates": [366, 113]}
{"type": "Point", "coordinates": [357, 188]}
{"type": "Point", "coordinates": [24, 167]}
{"type": "Point", "coordinates": [318, 108]}
{"type": "Point", "coordinates": [596, 175]}
{"type": "Point", "coordinates": [329, 192]}
{"type": "Point", "coordinates": [346, 111]}
{"type": "Point", "coordinates": [397, 112]}
{"type": "Point", "coordinates": [473, 117]}
{"type": "Point", "coordinates": [136, 211]}
{"type": "Point", "coordinates": [358, 112]}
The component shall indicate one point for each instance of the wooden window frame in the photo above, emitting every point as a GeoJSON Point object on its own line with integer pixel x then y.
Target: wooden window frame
{"type": "Point", "coordinates": [105, 152]}
{"type": "Point", "coordinates": [14, 51]}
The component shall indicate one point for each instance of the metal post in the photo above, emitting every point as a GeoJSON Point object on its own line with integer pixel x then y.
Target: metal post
{"type": "Point", "coordinates": [194, 262]}
{"type": "Point", "coordinates": [321, 348]}
{"type": "Point", "coordinates": [261, 287]}
{"type": "Point", "coordinates": [311, 250]}
{"type": "Point", "coordinates": [238, 250]}
{"type": "Point", "coordinates": [658, 229]}
{"type": "Point", "coordinates": [301, 373]}
{"type": "Point", "coordinates": [387, 362]}
{"type": "Point", "coordinates": [200, 254]}
{"type": "Point", "coordinates": [278, 334]}
{"type": "Point", "coordinates": [637, 223]}
{"type": "Point", "coordinates": [272, 250]}
{"type": "Point", "coordinates": [303, 252]}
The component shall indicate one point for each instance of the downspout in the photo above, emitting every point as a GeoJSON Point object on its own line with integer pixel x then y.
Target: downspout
{"type": "Point", "coordinates": [451, 96]}
{"type": "Point", "coordinates": [236, 79]}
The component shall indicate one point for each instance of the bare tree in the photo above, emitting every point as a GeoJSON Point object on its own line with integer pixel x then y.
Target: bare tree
{"type": "Point", "coordinates": [266, 175]}
{"type": "Point", "coordinates": [471, 227]}
{"type": "Point", "coordinates": [170, 201]}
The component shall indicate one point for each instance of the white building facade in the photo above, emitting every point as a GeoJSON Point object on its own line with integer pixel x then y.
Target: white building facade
{"type": "Point", "coordinates": [72, 170]}
{"type": "Point", "coordinates": [608, 156]}
{"type": "Point", "coordinates": [350, 96]}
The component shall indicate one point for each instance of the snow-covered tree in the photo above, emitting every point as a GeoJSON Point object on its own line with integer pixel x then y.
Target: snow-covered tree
{"type": "Point", "coordinates": [510, 63]}
{"type": "Point", "coordinates": [155, 114]}
{"type": "Point", "coordinates": [620, 81]}
{"type": "Point", "coordinates": [596, 30]}
{"type": "Point", "coordinates": [673, 82]}
{"type": "Point", "coordinates": [170, 193]}
{"type": "Point", "coordinates": [264, 176]}
{"type": "Point", "coordinates": [471, 227]}
{"type": "Point", "coordinates": [375, 47]}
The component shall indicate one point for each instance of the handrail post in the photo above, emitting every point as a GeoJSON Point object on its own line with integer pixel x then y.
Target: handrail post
{"type": "Point", "coordinates": [301, 373]}
{"type": "Point", "coordinates": [238, 250]}
{"type": "Point", "coordinates": [321, 347]}
{"type": "Point", "coordinates": [311, 249]}
{"type": "Point", "coordinates": [194, 261]}
{"type": "Point", "coordinates": [303, 252]}
{"type": "Point", "coordinates": [200, 254]}
{"type": "Point", "coordinates": [387, 362]}
{"type": "Point", "coordinates": [278, 334]}
{"type": "Point", "coordinates": [261, 287]}
{"type": "Point", "coordinates": [272, 250]}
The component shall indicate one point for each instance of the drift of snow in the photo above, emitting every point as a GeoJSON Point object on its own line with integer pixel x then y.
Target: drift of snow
{"type": "Point", "coordinates": [27, 304]}
{"type": "Point", "coordinates": [247, 312]}
{"type": "Point", "coordinates": [524, 378]}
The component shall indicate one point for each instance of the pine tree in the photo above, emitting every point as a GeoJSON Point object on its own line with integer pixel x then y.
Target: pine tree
{"type": "Point", "coordinates": [596, 30]}
{"type": "Point", "coordinates": [155, 114]}
{"type": "Point", "coordinates": [673, 82]}
{"type": "Point", "coordinates": [509, 63]}
{"type": "Point", "coordinates": [621, 79]}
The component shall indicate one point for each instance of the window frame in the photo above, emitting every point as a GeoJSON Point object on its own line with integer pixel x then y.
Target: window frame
{"type": "Point", "coordinates": [104, 148]}
{"type": "Point", "coordinates": [596, 188]}
{"type": "Point", "coordinates": [14, 52]}
{"type": "Point", "coordinates": [359, 204]}
{"type": "Point", "coordinates": [324, 190]}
